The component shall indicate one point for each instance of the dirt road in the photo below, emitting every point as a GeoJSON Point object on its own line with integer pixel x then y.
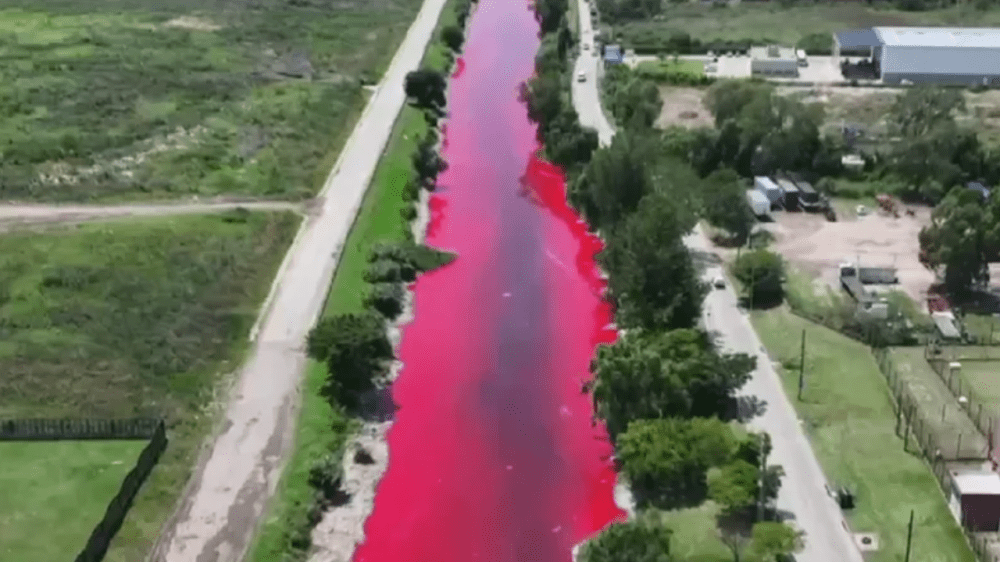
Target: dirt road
{"type": "Point", "coordinates": [14, 215]}
{"type": "Point", "coordinates": [216, 519]}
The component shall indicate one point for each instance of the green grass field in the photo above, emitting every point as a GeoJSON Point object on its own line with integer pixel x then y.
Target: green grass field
{"type": "Point", "coordinates": [321, 428]}
{"type": "Point", "coordinates": [122, 99]}
{"type": "Point", "coordinates": [849, 419]}
{"type": "Point", "coordinates": [135, 318]}
{"type": "Point", "coordinates": [775, 23]}
{"type": "Point", "coordinates": [52, 494]}
{"type": "Point", "coordinates": [948, 421]}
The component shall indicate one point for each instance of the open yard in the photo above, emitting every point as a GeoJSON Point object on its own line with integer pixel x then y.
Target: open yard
{"type": "Point", "coordinates": [849, 418]}
{"type": "Point", "coordinates": [134, 318]}
{"type": "Point", "coordinates": [52, 494]}
{"type": "Point", "coordinates": [683, 107]}
{"type": "Point", "coordinates": [134, 98]}
{"type": "Point", "coordinates": [772, 22]}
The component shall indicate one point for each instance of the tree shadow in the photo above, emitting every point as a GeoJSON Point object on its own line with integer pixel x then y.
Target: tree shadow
{"type": "Point", "coordinates": [376, 405]}
{"type": "Point", "coordinates": [744, 408]}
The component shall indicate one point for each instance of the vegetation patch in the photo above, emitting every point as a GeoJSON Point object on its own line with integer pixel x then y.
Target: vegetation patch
{"type": "Point", "coordinates": [134, 318]}
{"type": "Point", "coordinates": [848, 412]}
{"type": "Point", "coordinates": [137, 98]}
{"type": "Point", "coordinates": [61, 487]}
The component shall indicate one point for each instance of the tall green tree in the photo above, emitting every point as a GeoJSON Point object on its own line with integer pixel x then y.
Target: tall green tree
{"type": "Point", "coordinates": [652, 275]}
{"type": "Point", "coordinates": [641, 540]}
{"type": "Point", "coordinates": [652, 375]}
{"type": "Point", "coordinates": [963, 237]}
{"type": "Point", "coordinates": [763, 273]}
{"type": "Point", "coordinates": [773, 541]}
{"type": "Point", "coordinates": [613, 183]}
{"type": "Point", "coordinates": [725, 206]}
{"type": "Point", "coordinates": [356, 350]}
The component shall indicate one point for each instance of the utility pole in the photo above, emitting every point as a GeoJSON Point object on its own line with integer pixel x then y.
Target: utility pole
{"type": "Point", "coordinates": [909, 538]}
{"type": "Point", "coordinates": [802, 365]}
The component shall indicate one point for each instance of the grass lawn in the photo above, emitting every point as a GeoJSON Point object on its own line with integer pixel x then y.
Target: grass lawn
{"type": "Point", "coordinates": [320, 428]}
{"type": "Point", "coordinates": [774, 23]}
{"type": "Point", "coordinates": [135, 318]}
{"type": "Point", "coordinates": [120, 99]}
{"type": "Point", "coordinates": [695, 537]}
{"type": "Point", "coordinates": [850, 422]}
{"type": "Point", "coordinates": [984, 327]}
{"type": "Point", "coordinates": [53, 494]}
{"type": "Point", "coordinates": [933, 400]}
{"type": "Point", "coordinates": [693, 68]}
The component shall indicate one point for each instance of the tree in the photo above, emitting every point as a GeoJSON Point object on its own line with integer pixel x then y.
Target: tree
{"type": "Point", "coordinates": [664, 374]}
{"type": "Point", "coordinates": [725, 205]}
{"type": "Point", "coordinates": [762, 272]}
{"type": "Point", "coordinates": [568, 144]}
{"type": "Point", "coordinates": [734, 486]}
{"type": "Point", "coordinates": [427, 88]}
{"type": "Point", "coordinates": [634, 101]}
{"type": "Point", "coordinates": [642, 540]}
{"type": "Point", "coordinates": [544, 98]}
{"type": "Point", "coordinates": [550, 14]}
{"type": "Point", "coordinates": [774, 541]}
{"type": "Point", "coordinates": [614, 182]}
{"type": "Point", "coordinates": [963, 237]}
{"type": "Point", "coordinates": [666, 459]}
{"type": "Point", "coordinates": [355, 348]}
{"type": "Point", "coordinates": [735, 540]}
{"type": "Point", "coordinates": [453, 37]}
{"type": "Point", "coordinates": [652, 275]}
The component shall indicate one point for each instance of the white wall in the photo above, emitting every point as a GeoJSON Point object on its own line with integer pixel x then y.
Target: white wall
{"type": "Point", "coordinates": [955, 61]}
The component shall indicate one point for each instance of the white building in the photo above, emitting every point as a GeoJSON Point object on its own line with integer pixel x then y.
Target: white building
{"type": "Point", "coordinates": [774, 60]}
{"type": "Point", "coordinates": [922, 55]}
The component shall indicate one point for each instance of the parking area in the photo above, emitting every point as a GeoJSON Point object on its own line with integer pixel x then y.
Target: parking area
{"type": "Point", "coordinates": [816, 246]}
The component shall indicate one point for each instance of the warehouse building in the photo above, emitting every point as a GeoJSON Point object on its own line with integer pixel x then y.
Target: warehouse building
{"type": "Point", "coordinates": [926, 55]}
{"type": "Point", "coordinates": [774, 60]}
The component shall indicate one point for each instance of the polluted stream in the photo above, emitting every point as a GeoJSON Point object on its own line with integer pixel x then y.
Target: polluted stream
{"type": "Point", "coordinates": [493, 453]}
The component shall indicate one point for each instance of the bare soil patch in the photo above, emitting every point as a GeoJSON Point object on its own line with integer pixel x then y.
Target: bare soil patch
{"type": "Point", "coordinates": [683, 107]}
{"type": "Point", "coordinates": [817, 247]}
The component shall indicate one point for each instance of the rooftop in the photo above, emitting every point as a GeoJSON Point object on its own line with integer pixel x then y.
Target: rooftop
{"type": "Point", "coordinates": [773, 52]}
{"type": "Point", "coordinates": [970, 37]}
{"type": "Point", "coordinates": [986, 483]}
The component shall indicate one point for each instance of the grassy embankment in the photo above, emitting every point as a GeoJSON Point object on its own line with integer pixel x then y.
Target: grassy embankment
{"type": "Point", "coordinates": [320, 428]}
{"type": "Point", "coordinates": [134, 318]}
{"type": "Point", "coordinates": [135, 99]}
{"type": "Point", "coordinates": [773, 23]}
{"type": "Point", "coordinates": [851, 425]}
{"type": "Point", "coordinates": [62, 487]}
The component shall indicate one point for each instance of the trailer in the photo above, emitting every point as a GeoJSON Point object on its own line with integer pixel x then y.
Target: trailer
{"type": "Point", "coordinates": [759, 203]}
{"type": "Point", "coordinates": [789, 193]}
{"type": "Point", "coordinates": [855, 278]}
{"type": "Point", "coordinates": [770, 189]}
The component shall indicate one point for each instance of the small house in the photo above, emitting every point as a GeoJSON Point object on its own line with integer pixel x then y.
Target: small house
{"type": "Point", "coordinates": [613, 54]}
{"type": "Point", "coordinates": [975, 500]}
{"type": "Point", "coordinates": [774, 60]}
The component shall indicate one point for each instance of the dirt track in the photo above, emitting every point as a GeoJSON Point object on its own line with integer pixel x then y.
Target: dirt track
{"type": "Point", "coordinates": [26, 214]}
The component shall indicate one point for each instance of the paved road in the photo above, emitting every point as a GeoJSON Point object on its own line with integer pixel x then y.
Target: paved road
{"type": "Point", "coordinates": [26, 214]}
{"type": "Point", "coordinates": [803, 494]}
{"type": "Point", "coordinates": [239, 471]}
{"type": "Point", "coordinates": [585, 97]}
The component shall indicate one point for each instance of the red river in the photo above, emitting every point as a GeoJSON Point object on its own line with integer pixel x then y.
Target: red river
{"type": "Point", "coordinates": [492, 454]}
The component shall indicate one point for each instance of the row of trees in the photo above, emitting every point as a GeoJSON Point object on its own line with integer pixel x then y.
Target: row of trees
{"type": "Point", "coordinates": [664, 387]}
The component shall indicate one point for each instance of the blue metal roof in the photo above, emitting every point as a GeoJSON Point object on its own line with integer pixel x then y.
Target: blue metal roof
{"type": "Point", "coordinates": [857, 39]}
{"type": "Point", "coordinates": [613, 53]}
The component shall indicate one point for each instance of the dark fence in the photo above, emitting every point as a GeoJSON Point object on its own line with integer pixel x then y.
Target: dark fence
{"type": "Point", "coordinates": [100, 538]}
{"type": "Point", "coordinates": [55, 430]}
{"type": "Point", "coordinates": [959, 389]}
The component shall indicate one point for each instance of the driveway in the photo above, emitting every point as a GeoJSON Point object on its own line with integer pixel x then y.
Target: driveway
{"type": "Point", "coordinates": [236, 475]}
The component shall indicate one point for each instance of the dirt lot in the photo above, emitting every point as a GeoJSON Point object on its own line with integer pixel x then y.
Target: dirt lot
{"type": "Point", "coordinates": [683, 107]}
{"type": "Point", "coordinates": [816, 246]}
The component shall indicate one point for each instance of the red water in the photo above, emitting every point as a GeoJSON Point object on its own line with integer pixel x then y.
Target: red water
{"type": "Point", "coordinates": [493, 456]}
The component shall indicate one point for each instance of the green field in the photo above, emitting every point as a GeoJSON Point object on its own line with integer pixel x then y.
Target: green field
{"type": "Point", "coordinates": [52, 494]}
{"type": "Point", "coordinates": [772, 22]}
{"type": "Point", "coordinates": [135, 318]}
{"type": "Point", "coordinates": [120, 99]}
{"type": "Point", "coordinates": [851, 425]}
{"type": "Point", "coordinates": [949, 422]}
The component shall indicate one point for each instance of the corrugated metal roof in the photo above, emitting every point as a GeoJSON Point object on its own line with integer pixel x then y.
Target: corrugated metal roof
{"type": "Point", "coordinates": [971, 37]}
{"type": "Point", "coordinates": [946, 325]}
{"type": "Point", "coordinates": [757, 196]}
{"type": "Point", "coordinates": [987, 483]}
{"type": "Point", "coordinates": [857, 39]}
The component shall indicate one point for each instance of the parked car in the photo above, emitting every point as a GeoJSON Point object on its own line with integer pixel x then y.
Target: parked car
{"type": "Point", "coordinates": [581, 77]}
{"type": "Point", "coordinates": [719, 282]}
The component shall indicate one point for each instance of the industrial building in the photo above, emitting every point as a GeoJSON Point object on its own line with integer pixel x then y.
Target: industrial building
{"type": "Point", "coordinates": [926, 55]}
{"type": "Point", "coordinates": [774, 60]}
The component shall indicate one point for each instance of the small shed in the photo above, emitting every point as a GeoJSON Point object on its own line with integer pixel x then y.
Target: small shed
{"type": "Point", "coordinates": [774, 60]}
{"type": "Point", "coordinates": [947, 325]}
{"type": "Point", "coordinates": [975, 500]}
{"type": "Point", "coordinates": [613, 54]}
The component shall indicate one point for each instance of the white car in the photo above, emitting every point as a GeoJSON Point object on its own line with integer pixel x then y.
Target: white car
{"type": "Point", "coordinates": [719, 282]}
{"type": "Point", "coordinates": [586, 46]}
{"type": "Point", "coordinates": [581, 77]}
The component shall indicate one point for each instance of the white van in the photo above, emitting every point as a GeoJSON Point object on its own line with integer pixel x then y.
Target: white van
{"type": "Point", "coordinates": [800, 54]}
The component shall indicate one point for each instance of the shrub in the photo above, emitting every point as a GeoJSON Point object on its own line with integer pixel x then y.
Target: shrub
{"type": "Point", "coordinates": [390, 271]}
{"type": "Point", "coordinates": [419, 257]}
{"type": "Point", "coordinates": [356, 348]}
{"type": "Point", "coordinates": [387, 299]}
{"type": "Point", "coordinates": [762, 272]}
{"type": "Point", "coordinates": [452, 37]}
{"type": "Point", "coordinates": [326, 474]}
{"type": "Point", "coordinates": [644, 540]}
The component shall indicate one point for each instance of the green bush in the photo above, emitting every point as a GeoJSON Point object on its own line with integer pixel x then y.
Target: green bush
{"type": "Point", "coordinates": [390, 271]}
{"type": "Point", "coordinates": [453, 37]}
{"type": "Point", "coordinates": [326, 475]}
{"type": "Point", "coordinates": [763, 273]}
{"type": "Point", "coordinates": [642, 540]}
{"type": "Point", "coordinates": [416, 256]}
{"type": "Point", "coordinates": [358, 350]}
{"type": "Point", "coordinates": [387, 298]}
